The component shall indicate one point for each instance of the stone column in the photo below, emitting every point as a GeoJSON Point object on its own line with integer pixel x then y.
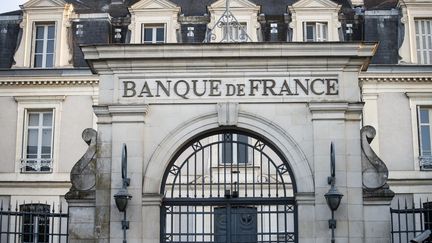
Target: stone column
{"type": "Point", "coordinates": [338, 123]}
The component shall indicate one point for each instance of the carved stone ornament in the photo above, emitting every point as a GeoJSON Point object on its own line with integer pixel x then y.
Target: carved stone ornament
{"type": "Point", "coordinates": [83, 173]}
{"type": "Point", "coordinates": [374, 170]}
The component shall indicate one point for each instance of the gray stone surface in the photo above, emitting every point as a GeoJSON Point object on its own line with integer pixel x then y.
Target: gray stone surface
{"type": "Point", "coordinates": [83, 174]}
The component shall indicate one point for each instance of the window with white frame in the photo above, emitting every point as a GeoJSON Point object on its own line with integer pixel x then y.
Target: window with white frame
{"type": "Point", "coordinates": [44, 45]}
{"type": "Point", "coordinates": [315, 31]}
{"type": "Point", "coordinates": [235, 149]}
{"type": "Point", "coordinates": [35, 223]}
{"type": "Point", "coordinates": [425, 125]}
{"type": "Point", "coordinates": [235, 32]}
{"type": "Point", "coordinates": [38, 143]}
{"type": "Point", "coordinates": [423, 28]}
{"type": "Point", "coordinates": [153, 33]}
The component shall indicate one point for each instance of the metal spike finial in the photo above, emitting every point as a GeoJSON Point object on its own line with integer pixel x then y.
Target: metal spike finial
{"type": "Point", "coordinates": [231, 29]}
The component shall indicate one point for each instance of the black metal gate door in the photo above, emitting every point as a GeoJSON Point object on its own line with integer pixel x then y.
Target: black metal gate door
{"type": "Point", "coordinates": [236, 224]}
{"type": "Point", "coordinates": [228, 187]}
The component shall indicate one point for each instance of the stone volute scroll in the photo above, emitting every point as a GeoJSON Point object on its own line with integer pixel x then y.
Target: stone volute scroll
{"type": "Point", "coordinates": [374, 170]}
{"type": "Point", "coordinates": [83, 173]}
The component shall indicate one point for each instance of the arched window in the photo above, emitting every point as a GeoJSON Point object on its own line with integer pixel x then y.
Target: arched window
{"type": "Point", "coordinates": [228, 186]}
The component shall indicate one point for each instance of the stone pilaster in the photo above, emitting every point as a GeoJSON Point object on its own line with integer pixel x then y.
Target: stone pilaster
{"type": "Point", "coordinates": [127, 124]}
{"type": "Point", "coordinates": [151, 212]}
{"type": "Point", "coordinates": [338, 123]}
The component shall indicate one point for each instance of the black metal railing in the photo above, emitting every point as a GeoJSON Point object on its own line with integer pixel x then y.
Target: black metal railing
{"type": "Point", "coordinates": [409, 221]}
{"type": "Point", "coordinates": [33, 223]}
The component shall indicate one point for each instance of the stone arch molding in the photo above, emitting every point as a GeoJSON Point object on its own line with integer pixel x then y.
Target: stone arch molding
{"type": "Point", "coordinates": [159, 160]}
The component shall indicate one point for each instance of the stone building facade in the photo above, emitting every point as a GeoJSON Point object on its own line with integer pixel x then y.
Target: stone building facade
{"type": "Point", "coordinates": [227, 110]}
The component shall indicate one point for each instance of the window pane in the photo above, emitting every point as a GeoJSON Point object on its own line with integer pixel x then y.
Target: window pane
{"type": "Point", "coordinates": [33, 119]}
{"type": "Point", "coordinates": [227, 150]}
{"type": "Point", "coordinates": [424, 115]}
{"type": "Point", "coordinates": [160, 35]}
{"type": "Point", "coordinates": [51, 32]}
{"type": "Point", "coordinates": [50, 46]}
{"type": "Point", "coordinates": [425, 141]}
{"type": "Point", "coordinates": [324, 26]}
{"type": "Point", "coordinates": [39, 46]}
{"type": "Point", "coordinates": [38, 60]}
{"type": "Point", "coordinates": [148, 34]}
{"type": "Point", "coordinates": [49, 60]}
{"type": "Point", "coordinates": [46, 138]}
{"type": "Point", "coordinates": [309, 32]}
{"type": "Point", "coordinates": [32, 141]}
{"type": "Point", "coordinates": [242, 149]}
{"type": "Point", "coordinates": [47, 119]}
{"type": "Point", "coordinates": [39, 32]}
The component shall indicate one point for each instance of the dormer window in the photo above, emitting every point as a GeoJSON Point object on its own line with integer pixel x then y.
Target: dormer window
{"type": "Point", "coordinates": [44, 45]}
{"type": "Point", "coordinates": [153, 33]}
{"type": "Point", "coordinates": [315, 20]}
{"type": "Point", "coordinates": [315, 31]}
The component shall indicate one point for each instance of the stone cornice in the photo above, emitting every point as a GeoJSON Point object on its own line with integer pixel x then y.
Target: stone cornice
{"type": "Point", "coordinates": [335, 110]}
{"type": "Point", "coordinates": [48, 82]}
{"type": "Point", "coordinates": [328, 55]}
{"type": "Point", "coordinates": [120, 113]}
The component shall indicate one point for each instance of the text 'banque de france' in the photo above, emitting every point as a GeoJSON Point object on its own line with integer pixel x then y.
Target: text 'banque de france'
{"type": "Point", "coordinates": [190, 88]}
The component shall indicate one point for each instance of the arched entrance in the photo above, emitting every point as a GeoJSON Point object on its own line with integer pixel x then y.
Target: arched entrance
{"type": "Point", "coordinates": [228, 186]}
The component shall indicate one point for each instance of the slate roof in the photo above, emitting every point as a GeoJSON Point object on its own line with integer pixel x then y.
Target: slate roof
{"type": "Point", "coordinates": [12, 13]}
{"type": "Point", "coordinates": [193, 7]}
{"type": "Point", "coordinates": [273, 7]}
{"type": "Point", "coordinates": [380, 4]}
{"type": "Point", "coordinates": [99, 32]}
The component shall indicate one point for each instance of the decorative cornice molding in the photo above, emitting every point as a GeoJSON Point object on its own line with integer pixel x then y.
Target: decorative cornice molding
{"type": "Point", "coordinates": [45, 98]}
{"type": "Point", "coordinates": [49, 82]}
{"type": "Point", "coordinates": [335, 110]}
{"type": "Point", "coordinates": [402, 78]}
{"type": "Point", "coordinates": [418, 94]}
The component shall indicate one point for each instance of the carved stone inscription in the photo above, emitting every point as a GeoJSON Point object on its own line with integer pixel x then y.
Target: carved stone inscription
{"type": "Point", "coordinates": [187, 89]}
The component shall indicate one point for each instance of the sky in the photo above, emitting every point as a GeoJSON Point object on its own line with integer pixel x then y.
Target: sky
{"type": "Point", "coordinates": [10, 5]}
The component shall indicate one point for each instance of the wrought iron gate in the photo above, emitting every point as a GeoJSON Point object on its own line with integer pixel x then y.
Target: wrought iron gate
{"type": "Point", "coordinates": [228, 187]}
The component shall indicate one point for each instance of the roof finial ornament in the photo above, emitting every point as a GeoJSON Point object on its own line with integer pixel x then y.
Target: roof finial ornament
{"type": "Point", "coordinates": [231, 29]}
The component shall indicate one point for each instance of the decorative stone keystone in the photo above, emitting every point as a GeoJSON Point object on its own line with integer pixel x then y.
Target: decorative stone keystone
{"type": "Point", "coordinates": [227, 113]}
